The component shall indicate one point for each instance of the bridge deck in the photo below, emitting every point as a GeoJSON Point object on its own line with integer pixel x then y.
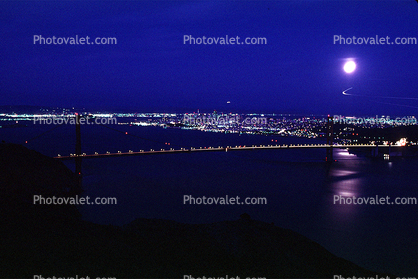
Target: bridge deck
{"type": "Point", "coordinates": [226, 149]}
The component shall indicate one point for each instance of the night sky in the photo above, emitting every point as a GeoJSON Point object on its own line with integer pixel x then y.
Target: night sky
{"type": "Point", "coordinates": [299, 70]}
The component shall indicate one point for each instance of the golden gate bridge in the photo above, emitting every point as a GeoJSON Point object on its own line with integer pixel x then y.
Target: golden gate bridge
{"type": "Point", "coordinates": [329, 147]}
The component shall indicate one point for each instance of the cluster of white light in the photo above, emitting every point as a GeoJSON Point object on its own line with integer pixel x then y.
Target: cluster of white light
{"type": "Point", "coordinates": [401, 142]}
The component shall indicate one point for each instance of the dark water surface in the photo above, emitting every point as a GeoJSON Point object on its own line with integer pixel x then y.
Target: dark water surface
{"type": "Point", "coordinates": [298, 185]}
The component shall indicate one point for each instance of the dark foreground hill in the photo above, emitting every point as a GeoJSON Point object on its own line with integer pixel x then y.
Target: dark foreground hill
{"type": "Point", "coordinates": [52, 240]}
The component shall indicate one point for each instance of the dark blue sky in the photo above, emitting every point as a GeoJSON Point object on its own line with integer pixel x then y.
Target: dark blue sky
{"type": "Point", "coordinates": [299, 70]}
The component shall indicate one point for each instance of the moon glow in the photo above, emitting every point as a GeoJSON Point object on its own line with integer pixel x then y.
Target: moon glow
{"type": "Point", "coordinates": [349, 67]}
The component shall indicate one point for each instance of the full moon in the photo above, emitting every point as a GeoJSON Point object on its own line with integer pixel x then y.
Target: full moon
{"type": "Point", "coordinates": [349, 67]}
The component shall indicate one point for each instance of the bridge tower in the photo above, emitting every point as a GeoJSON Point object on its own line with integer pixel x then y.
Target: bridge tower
{"type": "Point", "coordinates": [78, 152]}
{"type": "Point", "coordinates": [330, 139]}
